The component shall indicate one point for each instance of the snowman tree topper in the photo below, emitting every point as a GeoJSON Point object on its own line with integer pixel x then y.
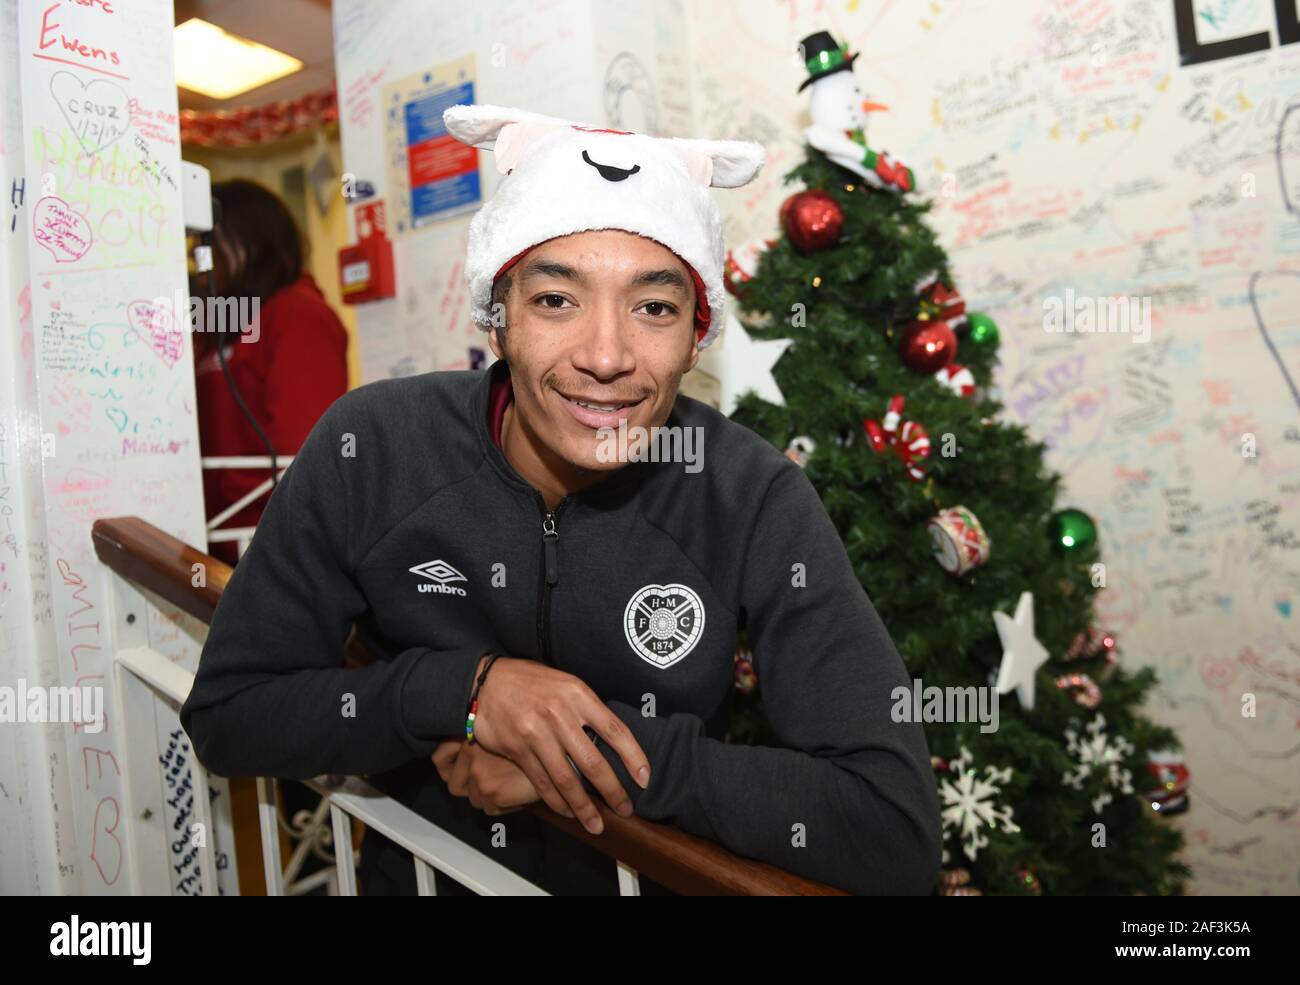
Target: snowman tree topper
{"type": "Point", "coordinates": [839, 116]}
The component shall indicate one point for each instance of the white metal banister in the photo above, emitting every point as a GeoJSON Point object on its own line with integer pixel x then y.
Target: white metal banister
{"type": "Point", "coordinates": [243, 461]}
{"type": "Point", "coordinates": [424, 840]}
{"type": "Point", "coordinates": [267, 816]}
{"type": "Point", "coordinates": [144, 675]}
{"type": "Point", "coordinates": [241, 535]}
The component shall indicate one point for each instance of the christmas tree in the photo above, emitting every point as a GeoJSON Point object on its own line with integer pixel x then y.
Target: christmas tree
{"type": "Point", "coordinates": [949, 515]}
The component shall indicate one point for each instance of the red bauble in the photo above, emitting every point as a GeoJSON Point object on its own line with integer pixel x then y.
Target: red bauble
{"type": "Point", "coordinates": [812, 220]}
{"type": "Point", "coordinates": [928, 346]}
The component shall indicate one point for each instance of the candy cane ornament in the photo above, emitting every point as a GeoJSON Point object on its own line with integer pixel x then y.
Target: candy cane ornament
{"type": "Point", "coordinates": [907, 439]}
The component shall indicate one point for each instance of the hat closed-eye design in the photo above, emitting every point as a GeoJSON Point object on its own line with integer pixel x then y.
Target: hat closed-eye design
{"type": "Point", "coordinates": [563, 177]}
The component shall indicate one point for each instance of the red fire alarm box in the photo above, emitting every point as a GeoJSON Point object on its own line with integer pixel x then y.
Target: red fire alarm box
{"type": "Point", "coordinates": [366, 267]}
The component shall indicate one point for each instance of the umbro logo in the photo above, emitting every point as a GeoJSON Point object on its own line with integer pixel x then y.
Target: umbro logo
{"type": "Point", "coordinates": [439, 573]}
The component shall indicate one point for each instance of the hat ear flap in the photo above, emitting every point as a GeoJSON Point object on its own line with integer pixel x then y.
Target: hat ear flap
{"type": "Point", "coordinates": [515, 138]}
{"type": "Point", "coordinates": [479, 125]}
{"type": "Point", "coordinates": [698, 164]}
{"type": "Point", "coordinates": [720, 163]}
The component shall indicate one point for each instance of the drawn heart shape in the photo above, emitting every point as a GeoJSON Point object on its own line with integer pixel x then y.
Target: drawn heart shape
{"type": "Point", "coordinates": [153, 323]}
{"type": "Point", "coordinates": [118, 416]}
{"type": "Point", "coordinates": [98, 112]}
{"type": "Point", "coordinates": [65, 233]}
{"type": "Point", "coordinates": [1271, 302]}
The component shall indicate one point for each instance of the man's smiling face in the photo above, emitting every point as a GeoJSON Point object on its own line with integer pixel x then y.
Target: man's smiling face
{"type": "Point", "coordinates": [603, 317]}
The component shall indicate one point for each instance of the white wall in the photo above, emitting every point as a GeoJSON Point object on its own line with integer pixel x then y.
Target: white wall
{"type": "Point", "coordinates": [1084, 157]}
{"type": "Point", "coordinates": [97, 411]}
{"type": "Point", "coordinates": [34, 773]}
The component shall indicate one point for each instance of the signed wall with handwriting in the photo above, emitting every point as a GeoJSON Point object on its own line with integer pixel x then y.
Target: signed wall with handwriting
{"type": "Point", "coordinates": [93, 191]}
{"type": "Point", "coordinates": [34, 769]}
{"type": "Point", "coordinates": [1126, 148]}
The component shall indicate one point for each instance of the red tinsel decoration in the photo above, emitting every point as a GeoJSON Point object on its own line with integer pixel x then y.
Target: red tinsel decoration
{"type": "Point", "coordinates": [250, 125]}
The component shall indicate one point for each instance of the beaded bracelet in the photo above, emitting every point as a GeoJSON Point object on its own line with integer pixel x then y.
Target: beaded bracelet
{"type": "Point", "coordinates": [473, 700]}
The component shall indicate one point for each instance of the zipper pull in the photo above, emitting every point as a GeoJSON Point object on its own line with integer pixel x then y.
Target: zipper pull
{"type": "Point", "coordinates": [549, 537]}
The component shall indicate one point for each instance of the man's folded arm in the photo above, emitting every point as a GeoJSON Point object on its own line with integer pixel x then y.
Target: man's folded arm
{"type": "Point", "coordinates": [852, 801]}
{"type": "Point", "coordinates": [271, 696]}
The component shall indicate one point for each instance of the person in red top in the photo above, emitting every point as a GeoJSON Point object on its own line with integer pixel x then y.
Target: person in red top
{"type": "Point", "coordinates": [288, 368]}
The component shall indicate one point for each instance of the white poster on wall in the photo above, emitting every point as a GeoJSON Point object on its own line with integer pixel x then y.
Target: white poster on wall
{"type": "Point", "coordinates": [431, 175]}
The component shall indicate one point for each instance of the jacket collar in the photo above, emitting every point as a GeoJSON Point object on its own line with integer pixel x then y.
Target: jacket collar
{"type": "Point", "coordinates": [625, 479]}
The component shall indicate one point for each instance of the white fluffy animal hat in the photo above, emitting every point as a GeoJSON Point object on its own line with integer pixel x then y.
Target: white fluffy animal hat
{"type": "Point", "coordinates": [565, 177]}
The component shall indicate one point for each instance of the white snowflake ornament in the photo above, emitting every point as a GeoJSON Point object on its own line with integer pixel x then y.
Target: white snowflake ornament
{"type": "Point", "coordinates": [1099, 752]}
{"type": "Point", "coordinates": [970, 804]}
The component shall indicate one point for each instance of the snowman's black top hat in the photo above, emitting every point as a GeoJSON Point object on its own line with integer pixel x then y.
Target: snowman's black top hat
{"type": "Point", "coordinates": [824, 57]}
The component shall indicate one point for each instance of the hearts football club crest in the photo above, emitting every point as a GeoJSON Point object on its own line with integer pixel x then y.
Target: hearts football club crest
{"type": "Point", "coordinates": [663, 623]}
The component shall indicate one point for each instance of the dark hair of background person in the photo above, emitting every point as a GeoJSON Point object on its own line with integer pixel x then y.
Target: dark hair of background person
{"type": "Point", "coordinates": [256, 221]}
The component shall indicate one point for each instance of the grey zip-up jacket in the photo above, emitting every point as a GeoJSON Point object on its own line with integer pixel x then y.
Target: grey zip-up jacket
{"type": "Point", "coordinates": [402, 515]}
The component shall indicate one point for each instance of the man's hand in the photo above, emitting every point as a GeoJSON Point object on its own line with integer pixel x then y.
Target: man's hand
{"type": "Point", "coordinates": [533, 715]}
{"type": "Point", "coordinates": [492, 783]}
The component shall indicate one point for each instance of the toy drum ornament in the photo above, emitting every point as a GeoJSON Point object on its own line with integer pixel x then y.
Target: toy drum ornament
{"type": "Point", "coordinates": [959, 541]}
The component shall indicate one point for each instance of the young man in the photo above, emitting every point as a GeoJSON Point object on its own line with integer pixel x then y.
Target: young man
{"type": "Point", "coordinates": [474, 529]}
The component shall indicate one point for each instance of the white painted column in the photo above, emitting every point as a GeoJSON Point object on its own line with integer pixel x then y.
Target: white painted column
{"type": "Point", "coordinates": [97, 407]}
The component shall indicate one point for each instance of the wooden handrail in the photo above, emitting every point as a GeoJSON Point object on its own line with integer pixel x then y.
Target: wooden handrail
{"type": "Point", "coordinates": [164, 565]}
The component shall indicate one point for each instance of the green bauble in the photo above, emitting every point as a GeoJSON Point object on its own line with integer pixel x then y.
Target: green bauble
{"type": "Point", "coordinates": [981, 330]}
{"type": "Point", "coordinates": [1071, 530]}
